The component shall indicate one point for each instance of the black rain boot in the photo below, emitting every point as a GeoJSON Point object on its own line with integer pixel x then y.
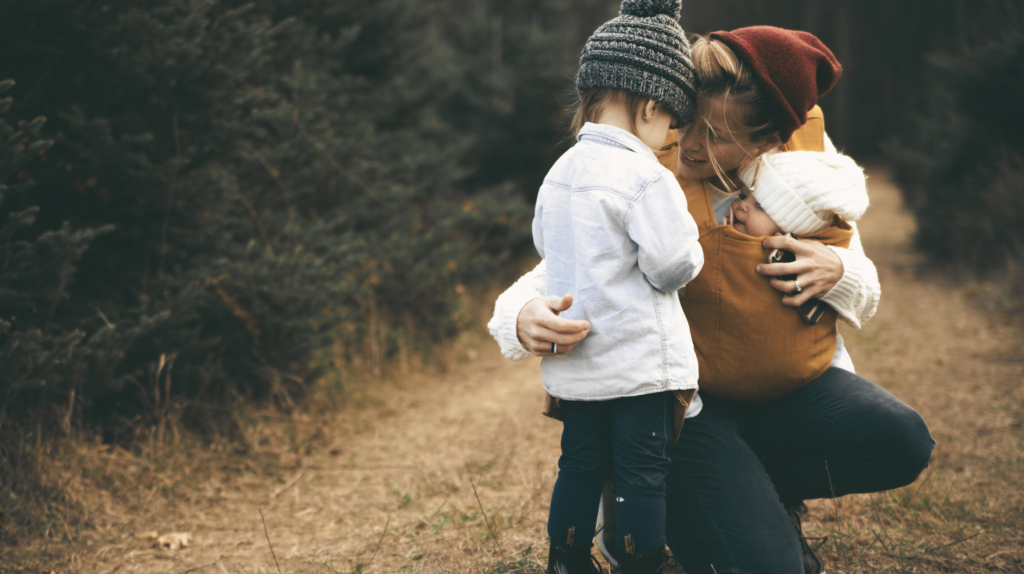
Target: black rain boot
{"type": "Point", "coordinates": [564, 559]}
{"type": "Point", "coordinates": [813, 564]}
{"type": "Point", "coordinates": [655, 562]}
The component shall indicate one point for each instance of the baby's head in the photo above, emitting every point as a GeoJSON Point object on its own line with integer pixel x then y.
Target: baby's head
{"type": "Point", "coordinates": [799, 192]}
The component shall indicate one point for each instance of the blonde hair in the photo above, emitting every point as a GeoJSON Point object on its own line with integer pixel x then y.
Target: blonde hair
{"type": "Point", "coordinates": [595, 100]}
{"type": "Point", "coordinates": [723, 78]}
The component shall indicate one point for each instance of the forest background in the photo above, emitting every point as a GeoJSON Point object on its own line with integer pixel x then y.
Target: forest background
{"type": "Point", "coordinates": [214, 203]}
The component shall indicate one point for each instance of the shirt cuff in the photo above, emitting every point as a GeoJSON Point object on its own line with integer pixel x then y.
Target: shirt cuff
{"type": "Point", "coordinates": [851, 289]}
{"type": "Point", "coordinates": [503, 325]}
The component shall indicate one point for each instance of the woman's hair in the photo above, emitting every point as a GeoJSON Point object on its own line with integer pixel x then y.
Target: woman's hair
{"type": "Point", "coordinates": [723, 78]}
{"type": "Point", "coordinates": [595, 100]}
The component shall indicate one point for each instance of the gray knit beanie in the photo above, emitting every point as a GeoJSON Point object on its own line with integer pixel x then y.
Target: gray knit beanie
{"type": "Point", "coordinates": [643, 51]}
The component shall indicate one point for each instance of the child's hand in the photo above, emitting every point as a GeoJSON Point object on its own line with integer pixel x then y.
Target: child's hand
{"type": "Point", "coordinates": [817, 268]}
{"type": "Point", "coordinates": [539, 326]}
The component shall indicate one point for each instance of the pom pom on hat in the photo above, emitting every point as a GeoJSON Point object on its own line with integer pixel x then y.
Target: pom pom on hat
{"type": "Point", "coordinates": [651, 8]}
{"type": "Point", "coordinates": [803, 191]}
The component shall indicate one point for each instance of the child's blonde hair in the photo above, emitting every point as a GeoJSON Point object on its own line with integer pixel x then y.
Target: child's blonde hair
{"type": "Point", "coordinates": [596, 100]}
{"type": "Point", "coordinates": [723, 78]}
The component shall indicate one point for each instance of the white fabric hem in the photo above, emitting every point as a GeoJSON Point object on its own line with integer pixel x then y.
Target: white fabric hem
{"type": "Point", "coordinates": [640, 393]}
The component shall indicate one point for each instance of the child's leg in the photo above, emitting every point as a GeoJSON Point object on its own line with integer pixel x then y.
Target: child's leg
{"type": "Point", "coordinates": [641, 436]}
{"type": "Point", "coordinates": [583, 468]}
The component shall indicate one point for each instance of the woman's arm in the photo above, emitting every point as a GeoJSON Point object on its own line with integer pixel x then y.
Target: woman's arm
{"type": "Point", "coordinates": [855, 297]}
{"type": "Point", "coordinates": [844, 278]}
{"type": "Point", "coordinates": [526, 322]}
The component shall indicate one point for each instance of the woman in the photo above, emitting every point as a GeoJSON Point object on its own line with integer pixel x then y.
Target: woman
{"type": "Point", "coordinates": [741, 471]}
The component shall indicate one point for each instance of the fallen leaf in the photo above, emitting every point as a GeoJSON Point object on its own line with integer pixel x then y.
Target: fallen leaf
{"type": "Point", "coordinates": [174, 540]}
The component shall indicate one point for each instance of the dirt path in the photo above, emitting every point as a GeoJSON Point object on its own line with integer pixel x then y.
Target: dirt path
{"type": "Point", "coordinates": [409, 461]}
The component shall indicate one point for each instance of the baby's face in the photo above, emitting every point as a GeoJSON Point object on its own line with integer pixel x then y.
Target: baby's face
{"type": "Point", "coordinates": [747, 217]}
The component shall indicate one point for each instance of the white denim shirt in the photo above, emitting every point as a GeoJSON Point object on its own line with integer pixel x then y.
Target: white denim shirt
{"type": "Point", "coordinates": [612, 224]}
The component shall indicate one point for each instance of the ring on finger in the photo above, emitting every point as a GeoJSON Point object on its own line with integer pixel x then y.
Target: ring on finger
{"type": "Point", "coordinates": [798, 289]}
{"type": "Point", "coordinates": [554, 348]}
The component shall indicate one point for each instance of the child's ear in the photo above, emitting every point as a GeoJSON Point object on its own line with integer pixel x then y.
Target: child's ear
{"type": "Point", "coordinates": [649, 109]}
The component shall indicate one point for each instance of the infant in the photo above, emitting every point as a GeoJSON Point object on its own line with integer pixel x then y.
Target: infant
{"type": "Point", "coordinates": [799, 192]}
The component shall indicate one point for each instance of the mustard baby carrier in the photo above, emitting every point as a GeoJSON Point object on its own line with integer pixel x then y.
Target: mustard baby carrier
{"type": "Point", "coordinates": [750, 346]}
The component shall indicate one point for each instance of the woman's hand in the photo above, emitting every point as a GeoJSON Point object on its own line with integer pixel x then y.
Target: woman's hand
{"type": "Point", "coordinates": [539, 325]}
{"type": "Point", "coordinates": [817, 268]}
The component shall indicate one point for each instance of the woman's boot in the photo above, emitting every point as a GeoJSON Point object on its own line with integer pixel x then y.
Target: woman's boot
{"type": "Point", "coordinates": [813, 564]}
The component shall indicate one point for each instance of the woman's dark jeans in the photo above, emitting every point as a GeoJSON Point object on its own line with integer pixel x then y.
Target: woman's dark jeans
{"type": "Point", "coordinates": [736, 464]}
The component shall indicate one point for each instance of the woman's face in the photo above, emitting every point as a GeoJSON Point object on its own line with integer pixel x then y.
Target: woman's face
{"type": "Point", "coordinates": [695, 152]}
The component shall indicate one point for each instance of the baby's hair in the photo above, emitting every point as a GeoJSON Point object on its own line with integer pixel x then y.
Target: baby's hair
{"type": "Point", "coordinates": [722, 77]}
{"type": "Point", "coordinates": [594, 101]}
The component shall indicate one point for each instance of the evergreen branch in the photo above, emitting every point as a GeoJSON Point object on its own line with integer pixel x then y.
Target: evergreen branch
{"type": "Point", "coordinates": [170, 198]}
{"type": "Point", "coordinates": [256, 220]}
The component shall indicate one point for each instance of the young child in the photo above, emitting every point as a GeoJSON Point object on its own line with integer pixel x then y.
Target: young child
{"type": "Point", "coordinates": [613, 226]}
{"type": "Point", "coordinates": [750, 346]}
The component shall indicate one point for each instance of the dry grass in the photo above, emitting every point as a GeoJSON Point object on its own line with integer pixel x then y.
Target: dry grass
{"type": "Point", "coordinates": [397, 474]}
{"type": "Point", "coordinates": [70, 496]}
{"type": "Point", "coordinates": [423, 453]}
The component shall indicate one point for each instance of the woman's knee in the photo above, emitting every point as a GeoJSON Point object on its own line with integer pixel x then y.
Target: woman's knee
{"type": "Point", "coordinates": [908, 445]}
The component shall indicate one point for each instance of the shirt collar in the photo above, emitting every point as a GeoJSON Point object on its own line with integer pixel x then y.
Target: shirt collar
{"type": "Point", "coordinates": [617, 137]}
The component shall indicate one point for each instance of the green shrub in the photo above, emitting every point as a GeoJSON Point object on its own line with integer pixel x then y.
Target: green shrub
{"type": "Point", "coordinates": [961, 168]}
{"type": "Point", "coordinates": [233, 187]}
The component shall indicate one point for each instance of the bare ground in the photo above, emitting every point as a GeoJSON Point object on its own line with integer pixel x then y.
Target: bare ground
{"type": "Point", "coordinates": [452, 472]}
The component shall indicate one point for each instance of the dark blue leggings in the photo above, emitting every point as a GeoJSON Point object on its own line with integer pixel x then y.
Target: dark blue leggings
{"type": "Point", "coordinates": [736, 464]}
{"type": "Point", "coordinates": [627, 439]}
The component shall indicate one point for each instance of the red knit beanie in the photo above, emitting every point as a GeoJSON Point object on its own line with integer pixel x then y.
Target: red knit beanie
{"type": "Point", "coordinates": [794, 67]}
